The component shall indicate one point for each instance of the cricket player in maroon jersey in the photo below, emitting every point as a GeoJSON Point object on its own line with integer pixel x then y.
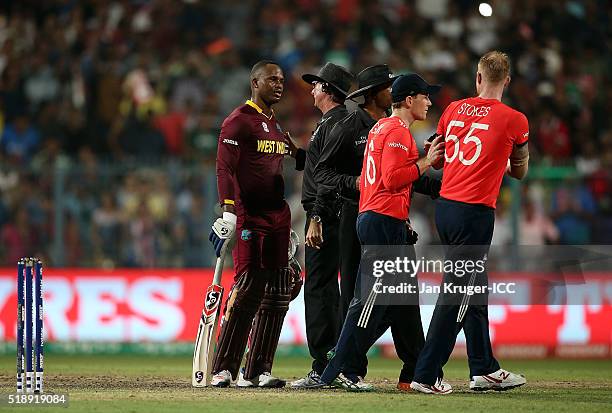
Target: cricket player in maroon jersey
{"type": "Point", "coordinates": [484, 139]}
{"type": "Point", "coordinates": [250, 154]}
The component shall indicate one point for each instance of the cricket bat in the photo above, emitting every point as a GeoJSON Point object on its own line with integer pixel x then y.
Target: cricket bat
{"type": "Point", "coordinates": [207, 331]}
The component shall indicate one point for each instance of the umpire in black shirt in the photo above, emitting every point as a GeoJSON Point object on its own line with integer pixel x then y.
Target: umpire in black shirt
{"type": "Point", "coordinates": [340, 166]}
{"type": "Point", "coordinates": [341, 160]}
{"type": "Point", "coordinates": [321, 295]}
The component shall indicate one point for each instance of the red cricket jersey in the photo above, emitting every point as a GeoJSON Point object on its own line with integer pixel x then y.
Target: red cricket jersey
{"type": "Point", "coordinates": [479, 137]}
{"type": "Point", "coordinates": [389, 169]}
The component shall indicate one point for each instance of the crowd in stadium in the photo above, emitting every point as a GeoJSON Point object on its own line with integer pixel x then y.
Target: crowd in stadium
{"type": "Point", "coordinates": [94, 85]}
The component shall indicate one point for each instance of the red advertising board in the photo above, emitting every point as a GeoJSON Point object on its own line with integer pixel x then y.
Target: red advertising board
{"type": "Point", "coordinates": [164, 305]}
{"type": "Point", "coordinates": [118, 305]}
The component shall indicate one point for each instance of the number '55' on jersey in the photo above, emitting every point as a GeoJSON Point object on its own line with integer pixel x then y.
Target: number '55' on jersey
{"type": "Point", "coordinates": [479, 137]}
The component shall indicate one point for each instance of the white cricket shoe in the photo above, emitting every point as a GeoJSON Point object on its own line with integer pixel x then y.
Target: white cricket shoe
{"type": "Point", "coordinates": [311, 381]}
{"type": "Point", "coordinates": [221, 379]}
{"type": "Point", "coordinates": [499, 381]}
{"type": "Point", "coordinates": [350, 385]}
{"type": "Point", "coordinates": [441, 387]}
{"type": "Point", "coordinates": [263, 380]}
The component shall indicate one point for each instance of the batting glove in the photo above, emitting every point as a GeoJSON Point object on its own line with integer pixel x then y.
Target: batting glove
{"type": "Point", "coordinates": [222, 234]}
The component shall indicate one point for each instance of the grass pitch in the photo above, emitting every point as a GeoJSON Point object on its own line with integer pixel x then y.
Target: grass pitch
{"type": "Point", "coordinates": [162, 384]}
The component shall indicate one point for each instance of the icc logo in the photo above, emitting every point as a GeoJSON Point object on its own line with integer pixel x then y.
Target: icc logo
{"type": "Point", "coordinates": [265, 127]}
{"type": "Point", "coordinates": [199, 376]}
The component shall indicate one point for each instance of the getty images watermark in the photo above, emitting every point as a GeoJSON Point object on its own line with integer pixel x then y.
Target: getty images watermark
{"type": "Point", "coordinates": [459, 268]}
{"type": "Point", "coordinates": [402, 275]}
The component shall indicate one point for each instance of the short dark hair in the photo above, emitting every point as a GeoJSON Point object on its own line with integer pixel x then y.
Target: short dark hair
{"type": "Point", "coordinates": [336, 96]}
{"type": "Point", "coordinates": [260, 65]}
{"type": "Point", "coordinates": [397, 105]}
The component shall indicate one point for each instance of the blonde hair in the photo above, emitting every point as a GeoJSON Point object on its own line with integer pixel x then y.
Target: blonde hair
{"type": "Point", "coordinates": [494, 66]}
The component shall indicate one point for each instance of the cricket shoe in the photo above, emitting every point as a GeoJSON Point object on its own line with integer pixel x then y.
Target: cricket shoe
{"type": "Point", "coordinates": [403, 386]}
{"type": "Point", "coordinates": [263, 380]}
{"type": "Point", "coordinates": [221, 379]}
{"type": "Point", "coordinates": [441, 387]}
{"type": "Point", "coordinates": [311, 381]}
{"type": "Point", "coordinates": [500, 380]}
{"type": "Point", "coordinates": [357, 385]}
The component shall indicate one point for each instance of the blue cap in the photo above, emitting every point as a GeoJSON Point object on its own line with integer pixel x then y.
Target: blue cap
{"type": "Point", "coordinates": [410, 85]}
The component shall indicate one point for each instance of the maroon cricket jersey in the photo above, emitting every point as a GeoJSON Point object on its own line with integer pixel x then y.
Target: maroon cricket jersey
{"type": "Point", "coordinates": [250, 161]}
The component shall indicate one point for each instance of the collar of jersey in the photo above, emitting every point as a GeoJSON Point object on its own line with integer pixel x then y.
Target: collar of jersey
{"type": "Point", "coordinates": [400, 121]}
{"type": "Point", "coordinates": [258, 109]}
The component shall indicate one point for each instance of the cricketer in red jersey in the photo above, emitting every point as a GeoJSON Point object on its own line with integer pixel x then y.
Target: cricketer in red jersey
{"type": "Point", "coordinates": [391, 164]}
{"type": "Point", "coordinates": [483, 139]}
{"type": "Point", "coordinates": [392, 153]}
{"type": "Point", "coordinates": [251, 149]}
{"type": "Point", "coordinates": [480, 135]}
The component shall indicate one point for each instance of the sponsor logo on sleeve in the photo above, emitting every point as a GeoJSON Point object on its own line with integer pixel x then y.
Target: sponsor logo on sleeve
{"type": "Point", "coordinates": [397, 145]}
{"type": "Point", "coordinates": [230, 141]}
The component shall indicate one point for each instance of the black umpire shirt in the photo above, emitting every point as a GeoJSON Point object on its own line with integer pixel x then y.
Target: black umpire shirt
{"type": "Point", "coordinates": [318, 198]}
{"type": "Point", "coordinates": [342, 158]}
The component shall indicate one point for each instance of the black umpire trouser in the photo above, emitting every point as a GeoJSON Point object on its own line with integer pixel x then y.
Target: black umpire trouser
{"type": "Point", "coordinates": [321, 294]}
{"type": "Point", "coordinates": [350, 256]}
{"type": "Point", "coordinates": [350, 253]}
{"type": "Point", "coordinates": [459, 224]}
{"type": "Point", "coordinates": [405, 320]}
